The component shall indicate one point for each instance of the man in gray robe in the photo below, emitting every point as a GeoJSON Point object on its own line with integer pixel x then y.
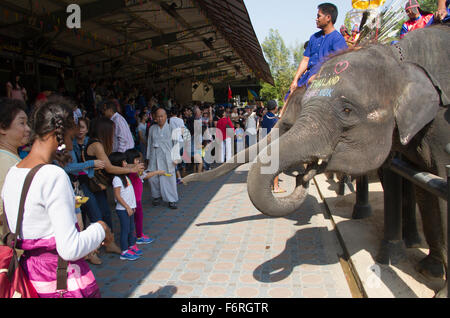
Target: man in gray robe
{"type": "Point", "coordinates": [163, 154]}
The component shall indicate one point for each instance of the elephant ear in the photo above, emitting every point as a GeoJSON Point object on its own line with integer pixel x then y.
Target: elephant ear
{"type": "Point", "coordinates": [428, 47]}
{"type": "Point", "coordinates": [417, 105]}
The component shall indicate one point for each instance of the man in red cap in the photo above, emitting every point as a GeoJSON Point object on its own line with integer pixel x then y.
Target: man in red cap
{"type": "Point", "coordinates": [417, 18]}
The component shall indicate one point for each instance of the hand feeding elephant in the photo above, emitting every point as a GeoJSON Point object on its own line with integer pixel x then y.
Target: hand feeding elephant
{"type": "Point", "coordinates": [363, 105]}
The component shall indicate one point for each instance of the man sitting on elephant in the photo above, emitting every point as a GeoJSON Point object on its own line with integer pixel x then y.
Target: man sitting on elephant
{"type": "Point", "coordinates": [417, 18]}
{"type": "Point", "coordinates": [321, 44]}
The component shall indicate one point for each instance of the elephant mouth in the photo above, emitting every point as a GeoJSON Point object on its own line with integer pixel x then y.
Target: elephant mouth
{"type": "Point", "coordinates": [310, 170]}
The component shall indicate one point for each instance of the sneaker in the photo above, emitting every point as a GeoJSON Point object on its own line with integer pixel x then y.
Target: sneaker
{"type": "Point", "coordinates": [129, 255]}
{"type": "Point", "coordinates": [173, 205]}
{"type": "Point", "coordinates": [136, 250]}
{"type": "Point", "coordinates": [144, 240]}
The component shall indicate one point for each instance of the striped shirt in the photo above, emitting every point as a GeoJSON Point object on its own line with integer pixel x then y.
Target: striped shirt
{"type": "Point", "coordinates": [123, 139]}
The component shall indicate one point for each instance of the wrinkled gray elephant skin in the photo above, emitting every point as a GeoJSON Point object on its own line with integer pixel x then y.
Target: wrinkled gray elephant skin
{"type": "Point", "coordinates": [363, 105]}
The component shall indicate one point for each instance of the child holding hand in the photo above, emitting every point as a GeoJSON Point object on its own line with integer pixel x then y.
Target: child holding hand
{"type": "Point", "coordinates": [125, 208]}
{"type": "Point", "coordinates": [134, 157]}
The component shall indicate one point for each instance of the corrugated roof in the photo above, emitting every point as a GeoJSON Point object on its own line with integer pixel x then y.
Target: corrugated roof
{"type": "Point", "coordinates": [233, 21]}
{"type": "Point", "coordinates": [211, 40]}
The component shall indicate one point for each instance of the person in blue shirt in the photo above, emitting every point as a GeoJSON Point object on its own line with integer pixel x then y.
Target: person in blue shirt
{"type": "Point", "coordinates": [321, 44]}
{"type": "Point", "coordinates": [130, 115]}
{"type": "Point", "coordinates": [269, 119]}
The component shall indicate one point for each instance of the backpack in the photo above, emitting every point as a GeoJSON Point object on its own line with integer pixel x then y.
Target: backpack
{"type": "Point", "coordinates": [13, 281]}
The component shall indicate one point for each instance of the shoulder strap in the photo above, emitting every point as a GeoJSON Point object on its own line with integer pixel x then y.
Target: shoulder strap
{"type": "Point", "coordinates": [61, 274]}
{"type": "Point", "coordinates": [26, 187]}
{"type": "Point", "coordinates": [62, 264]}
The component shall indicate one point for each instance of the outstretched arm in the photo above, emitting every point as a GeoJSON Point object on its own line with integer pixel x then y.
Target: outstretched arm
{"type": "Point", "coordinates": [301, 69]}
{"type": "Point", "coordinates": [151, 174]}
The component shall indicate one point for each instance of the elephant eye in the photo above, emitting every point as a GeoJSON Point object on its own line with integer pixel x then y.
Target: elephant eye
{"type": "Point", "coordinates": [347, 110]}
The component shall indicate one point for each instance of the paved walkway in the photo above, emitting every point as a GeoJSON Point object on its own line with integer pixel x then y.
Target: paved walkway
{"type": "Point", "coordinates": [218, 245]}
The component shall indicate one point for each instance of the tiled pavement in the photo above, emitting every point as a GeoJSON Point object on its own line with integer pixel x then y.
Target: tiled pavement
{"type": "Point", "coordinates": [218, 245]}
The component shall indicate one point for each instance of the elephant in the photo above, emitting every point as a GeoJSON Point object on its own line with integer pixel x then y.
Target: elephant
{"type": "Point", "coordinates": [363, 105]}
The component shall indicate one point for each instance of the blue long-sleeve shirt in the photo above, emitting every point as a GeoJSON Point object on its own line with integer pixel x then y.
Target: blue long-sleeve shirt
{"type": "Point", "coordinates": [320, 47]}
{"type": "Point", "coordinates": [77, 166]}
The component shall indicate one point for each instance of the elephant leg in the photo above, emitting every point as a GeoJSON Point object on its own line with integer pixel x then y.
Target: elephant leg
{"type": "Point", "coordinates": [443, 292]}
{"type": "Point", "coordinates": [410, 232]}
{"type": "Point", "coordinates": [433, 265]}
{"type": "Point", "coordinates": [380, 176]}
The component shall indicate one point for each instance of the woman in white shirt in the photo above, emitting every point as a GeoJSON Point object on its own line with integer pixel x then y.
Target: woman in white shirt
{"type": "Point", "coordinates": [49, 223]}
{"type": "Point", "coordinates": [14, 133]}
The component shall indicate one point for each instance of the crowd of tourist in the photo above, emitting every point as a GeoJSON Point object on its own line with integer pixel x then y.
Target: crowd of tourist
{"type": "Point", "coordinates": [107, 135]}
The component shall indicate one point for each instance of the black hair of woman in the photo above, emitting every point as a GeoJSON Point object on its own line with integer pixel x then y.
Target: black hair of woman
{"type": "Point", "coordinates": [141, 115]}
{"type": "Point", "coordinates": [14, 82]}
{"type": "Point", "coordinates": [117, 159]}
{"type": "Point", "coordinates": [9, 108]}
{"type": "Point", "coordinates": [102, 129]}
{"type": "Point", "coordinates": [55, 115]}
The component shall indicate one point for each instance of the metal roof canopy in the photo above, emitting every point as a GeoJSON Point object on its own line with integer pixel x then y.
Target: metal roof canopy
{"type": "Point", "coordinates": [211, 40]}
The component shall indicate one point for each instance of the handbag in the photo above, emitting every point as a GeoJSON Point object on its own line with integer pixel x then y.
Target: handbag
{"type": "Point", "coordinates": [14, 283]}
{"type": "Point", "coordinates": [99, 182]}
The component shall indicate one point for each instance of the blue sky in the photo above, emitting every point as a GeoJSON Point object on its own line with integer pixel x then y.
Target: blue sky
{"type": "Point", "coordinates": [294, 19]}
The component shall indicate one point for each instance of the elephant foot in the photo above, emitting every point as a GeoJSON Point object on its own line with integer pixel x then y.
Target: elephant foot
{"type": "Point", "coordinates": [412, 240]}
{"type": "Point", "coordinates": [391, 252]}
{"type": "Point", "coordinates": [431, 267]}
{"type": "Point", "coordinates": [443, 292]}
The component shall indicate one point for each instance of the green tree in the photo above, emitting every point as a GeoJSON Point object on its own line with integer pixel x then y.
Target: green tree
{"type": "Point", "coordinates": [428, 5]}
{"type": "Point", "coordinates": [279, 58]}
{"type": "Point", "coordinates": [297, 53]}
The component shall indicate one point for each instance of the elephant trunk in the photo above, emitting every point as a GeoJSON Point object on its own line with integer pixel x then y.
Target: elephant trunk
{"type": "Point", "coordinates": [243, 157]}
{"type": "Point", "coordinates": [307, 146]}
